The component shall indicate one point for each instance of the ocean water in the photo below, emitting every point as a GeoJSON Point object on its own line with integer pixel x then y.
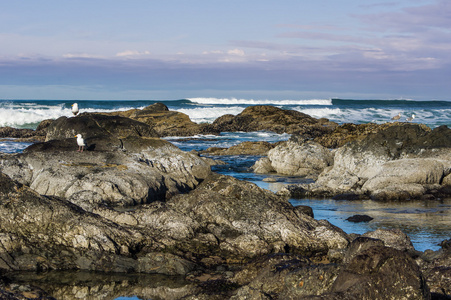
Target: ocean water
{"type": "Point", "coordinates": [28, 113]}
{"type": "Point", "coordinates": [426, 222]}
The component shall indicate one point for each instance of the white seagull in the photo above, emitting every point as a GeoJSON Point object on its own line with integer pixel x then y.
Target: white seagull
{"type": "Point", "coordinates": [75, 109]}
{"type": "Point", "coordinates": [397, 117]}
{"type": "Point", "coordinates": [410, 118]}
{"type": "Point", "coordinates": [80, 142]}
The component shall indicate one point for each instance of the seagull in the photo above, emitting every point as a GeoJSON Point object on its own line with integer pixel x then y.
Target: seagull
{"type": "Point", "coordinates": [80, 142]}
{"type": "Point", "coordinates": [75, 109]}
{"type": "Point", "coordinates": [411, 118]}
{"type": "Point", "coordinates": [397, 117]}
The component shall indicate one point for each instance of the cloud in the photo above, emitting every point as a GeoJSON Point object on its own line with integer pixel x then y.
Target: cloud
{"type": "Point", "coordinates": [132, 53]}
{"type": "Point", "coordinates": [237, 52]}
{"type": "Point", "coordinates": [81, 55]}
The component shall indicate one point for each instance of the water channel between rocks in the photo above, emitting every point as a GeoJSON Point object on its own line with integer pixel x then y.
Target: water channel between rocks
{"type": "Point", "coordinates": [426, 222]}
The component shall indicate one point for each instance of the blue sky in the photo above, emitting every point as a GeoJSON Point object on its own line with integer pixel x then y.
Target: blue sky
{"type": "Point", "coordinates": [177, 49]}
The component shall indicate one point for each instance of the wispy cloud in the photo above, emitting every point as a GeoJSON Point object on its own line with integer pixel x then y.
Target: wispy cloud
{"type": "Point", "coordinates": [132, 53]}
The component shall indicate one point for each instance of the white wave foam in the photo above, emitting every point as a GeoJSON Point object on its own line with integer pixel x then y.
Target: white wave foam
{"type": "Point", "coordinates": [28, 115]}
{"type": "Point", "coordinates": [234, 101]}
{"type": "Point", "coordinates": [209, 114]}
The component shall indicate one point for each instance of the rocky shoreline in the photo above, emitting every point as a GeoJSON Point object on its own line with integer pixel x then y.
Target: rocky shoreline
{"type": "Point", "coordinates": [135, 204]}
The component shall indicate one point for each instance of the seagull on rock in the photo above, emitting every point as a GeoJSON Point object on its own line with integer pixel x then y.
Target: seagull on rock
{"type": "Point", "coordinates": [75, 109]}
{"type": "Point", "coordinates": [410, 118]}
{"type": "Point", "coordinates": [80, 142]}
{"type": "Point", "coordinates": [397, 117]}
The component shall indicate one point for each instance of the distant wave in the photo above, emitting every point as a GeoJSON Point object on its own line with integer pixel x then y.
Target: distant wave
{"type": "Point", "coordinates": [387, 102]}
{"type": "Point", "coordinates": [234, 101]}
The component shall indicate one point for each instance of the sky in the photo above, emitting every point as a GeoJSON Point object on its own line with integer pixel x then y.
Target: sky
{"type": "Point", "coordinates": [176, 49]}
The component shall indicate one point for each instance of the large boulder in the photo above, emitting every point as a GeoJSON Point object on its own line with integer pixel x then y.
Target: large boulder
{"type": "Point", "coordinates": [240, 220]}
{"type": "Point", "coordinates": [404, 161]}
{"type": "Point", "coordinates": [97, 125]}
{"type": "Point", "coordinates": [299, 159]}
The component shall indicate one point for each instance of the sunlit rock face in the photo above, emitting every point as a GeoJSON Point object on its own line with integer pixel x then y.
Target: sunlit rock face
{"type": "Point", "coordinates": [402, 162]}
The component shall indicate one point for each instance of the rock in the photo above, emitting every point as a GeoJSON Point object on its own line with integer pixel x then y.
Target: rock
{"type": "Point", "coordinates": [359, 218]}
{"type": "Point", "coordinates": [40, 233]}
{"type": "Point", "coordinates": [373, 272]}
{"type": "Point", "coordinates": [123, 165]}
{"type": "Point", "coordinates": [404, 161]}
{"type": "Point", "coordinates": [97, 285]}
{"type": "Point", "coordinates": [393, 238]}
{"type": "Point", "coordinates": [222, 217]}
{"type": "Point", "coordinates": [244, 148]}
{"type": "Point", "coordinates": [378, 272]}
{"type": "Point", "coordinates": [360, 244]}
{"type": "Point", "coordinates": [405, 178]}
{"type": "Point", "coordinates": [290, 158]}
{"type": "Point", "coordinates": [306, 210]}
{"type": "Point", "coordinates": [263, 166]}
{"type": "Point", "coordinates": [166, 122]}
{"type": "Point", "coordinates": [349, 132]}
{"type": "Point", "coordinates": [446, 244]}
{"type": "Point", "coordinates": [16, 133]}
{"type": "Point", "coordinates": [97, 125]}
{"type": "Point", "coordinates": [244, 221]}
{"type": "Point", "coordinates": [268, 118]}
{"type": "Point", "coordinates": [436, 267]}
{"type": "Point", "coordinates": [22, 135]}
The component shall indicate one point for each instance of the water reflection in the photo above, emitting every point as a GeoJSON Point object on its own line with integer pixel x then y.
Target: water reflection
{"type": "Point", "coordinates": [427, 223]}
{"type": "Point", "coordinates": [72, 285]}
